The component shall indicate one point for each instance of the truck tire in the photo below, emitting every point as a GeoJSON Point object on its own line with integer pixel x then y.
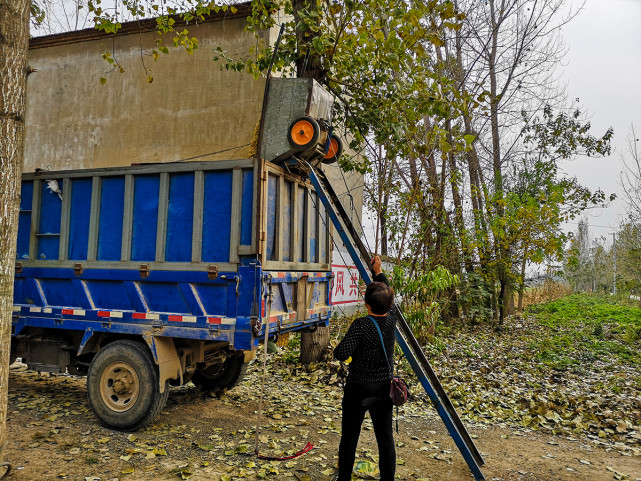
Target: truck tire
{"type": "Point", "coordinates": [227, 377]}
{"type": "Point", "coordinates": [123, 388]}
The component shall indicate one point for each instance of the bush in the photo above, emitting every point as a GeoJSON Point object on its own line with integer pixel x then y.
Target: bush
{"type": "Point", "coordinates": [423, 298]}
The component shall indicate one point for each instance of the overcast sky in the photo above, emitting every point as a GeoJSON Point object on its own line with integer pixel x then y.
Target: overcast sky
{"type": "Point", "coordinates": [604, 71]}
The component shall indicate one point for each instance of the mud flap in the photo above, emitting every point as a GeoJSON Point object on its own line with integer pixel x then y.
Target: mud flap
{"type": "Point", "coordinates": [166, 357]}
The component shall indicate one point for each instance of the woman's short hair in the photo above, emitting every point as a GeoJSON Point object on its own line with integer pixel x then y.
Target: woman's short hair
{"type": "Point", "coordinates": [379, 297]}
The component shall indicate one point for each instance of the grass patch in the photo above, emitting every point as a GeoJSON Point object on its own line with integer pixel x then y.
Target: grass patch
{"type": "Point", "coordinates": [586, 309]}
{"type": "Point", "coordinates": [585, 328]}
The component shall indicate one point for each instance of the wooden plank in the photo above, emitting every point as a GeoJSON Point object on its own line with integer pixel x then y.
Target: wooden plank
{"type": "Point", "coordinates": [65, 213]}
{"type": "Point", "coordinates": [308, 224]}
{"type": "Point", "coordinates": [236, 212]}
{"type": "Point", "coordinates": [127, 218]}
{"type": "Point", "coordinates": [294, 234]}
{"type": "Point", "coordinates": [197, 233]}
{"type": "Point", "coordinates": [317, 219]}
{"type": "Point", "coordinates": [296, 266]}
{"type": "Point", "coordinates": [94, 219]}
{"type": "Point", "coordinates": [35, 218]}
{"type": "Point", "coordinates": [292, 188]}
{"type": "Point", "coordinates": [163, 205]}
{"type": "Point", "coordinates": [148, 169]}
{"type": "Point", "coordinates": [280, 222]}
{"type": "Point", "coordinates": [330, 238]}
{"type": "Point", "coordinates": [261, 223]}
{"type": "Point", "coordinates": [255, 208]}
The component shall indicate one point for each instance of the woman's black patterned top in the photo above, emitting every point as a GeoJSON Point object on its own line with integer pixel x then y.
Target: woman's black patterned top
{"type": "Point", "coordinates": [363, 344]}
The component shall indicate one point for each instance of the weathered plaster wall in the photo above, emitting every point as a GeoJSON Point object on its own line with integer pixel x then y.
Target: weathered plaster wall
{"type": "Point", "coordinates": [191, 108]}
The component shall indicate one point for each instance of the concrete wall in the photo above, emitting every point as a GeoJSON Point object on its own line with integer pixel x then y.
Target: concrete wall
{"type": "Point", "coordinates": [191, 108]}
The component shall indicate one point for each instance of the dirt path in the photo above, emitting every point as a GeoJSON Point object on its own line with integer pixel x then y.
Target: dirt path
{"type": "Point", "coordinates": [54, 435]}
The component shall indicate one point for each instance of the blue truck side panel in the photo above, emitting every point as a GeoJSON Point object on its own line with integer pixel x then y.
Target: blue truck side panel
{"type": "Point", "coordinates": [111, 213]}
{"type": "Point", "coordinates": [313, 227]}
{"type": "Point", "coordinates": [246, 208]}
{"type": "Point", "coordinates": [49, 225]}
{"type": "Point", "coordinates": [217, 216]}
{"type": "Point", "coordinates": [180, 219]}
{"type": "Point", "coordinates": [162, 261]}
{"type": "Point", "coordinates": [24, 223]}
{"type": "Point", "coordinates": [287, 224]}
{"type": "Point", "coordinates": [79, 218]}
{"type": "Point", "coordinates": [145, 218]}
{"type": "Point", "coordinates": [300, 227]}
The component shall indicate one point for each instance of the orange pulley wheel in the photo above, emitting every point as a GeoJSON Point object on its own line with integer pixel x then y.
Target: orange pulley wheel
{"type": "Point", "coordinates": [303, 133]}
{"type": "Point", "coordinates": [334, 150]}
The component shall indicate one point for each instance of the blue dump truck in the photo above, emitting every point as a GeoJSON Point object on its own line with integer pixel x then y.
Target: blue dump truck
{"type": "Point", "coordinates": [154, 275]}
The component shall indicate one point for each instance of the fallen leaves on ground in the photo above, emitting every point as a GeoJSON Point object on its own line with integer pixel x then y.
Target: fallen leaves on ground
{"type": "Point", "coordinates": [490, 376]}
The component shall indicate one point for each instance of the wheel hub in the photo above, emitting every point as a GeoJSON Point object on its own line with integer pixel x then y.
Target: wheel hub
{"type": "Point", "coordinates": [119, 386]}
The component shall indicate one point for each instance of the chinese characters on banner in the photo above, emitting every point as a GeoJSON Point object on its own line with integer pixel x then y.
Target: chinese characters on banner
{"type": "Point", "coordinates": [345, 289]}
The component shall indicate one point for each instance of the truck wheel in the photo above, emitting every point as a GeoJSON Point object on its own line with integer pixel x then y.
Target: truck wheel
{"type": "Point", "coordinates": [122, 386]}
{"type": "Point", "coordinates": [219, 380]}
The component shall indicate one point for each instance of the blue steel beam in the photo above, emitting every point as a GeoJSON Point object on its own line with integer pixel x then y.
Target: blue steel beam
{"type": "Point", "coordinates": [441, 402]}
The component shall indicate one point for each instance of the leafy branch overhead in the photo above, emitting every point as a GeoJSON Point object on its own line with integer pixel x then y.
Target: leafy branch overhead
{"type": "Point", "coordinates": [377, 56]}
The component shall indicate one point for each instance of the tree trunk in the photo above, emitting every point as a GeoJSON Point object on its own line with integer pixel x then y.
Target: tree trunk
{"type": "Point", "coordinates": [522, 282]}
{"type": "Point", "coordinates": [500, 247]}
{"type": "Point", "coordinates": [14, 44]}
{"type": "Point", "coordinates": [313, 345]}
{"type": "Point", "coordinates": [511, 309]}
{"type": "Point", "coordinates": [459, 222]}
{"type": "Point", "coordinates": [384, 235]}
{"type": "Point", "coordinates": [308, 65]}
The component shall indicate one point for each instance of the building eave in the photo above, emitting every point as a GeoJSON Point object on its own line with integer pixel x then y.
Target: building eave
{"type": "Point", "coordinates": [133, 27]}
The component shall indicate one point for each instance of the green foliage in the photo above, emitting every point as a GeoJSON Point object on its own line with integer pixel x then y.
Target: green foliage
{"type": "Point", "coordinates": [628, 254]}
{"type": "Point", "coordinates": [563, 135]}
{"type": "Point", "coordinates": [588, 308]}
{"type": "Point", "coordinates": [37, 13]}
{"type": "Point", "coordinates": [168, 16]}
{"type": "Point", "coordinates": [585, 328]}
{"type": "Point", "coordinates": [375, 55]}
{"type": "Point", "coordinates": [633, 333]}
{"type": "Point", "coordinates": [423, 298]}
{"type": "Point", "coordinates": [475, 298]}
{"type": "Point", "coordinates": [538, 198]}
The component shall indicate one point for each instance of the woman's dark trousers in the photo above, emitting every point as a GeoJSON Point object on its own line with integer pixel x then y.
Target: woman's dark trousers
{"type": "Point", "coordinates": [358, 399]}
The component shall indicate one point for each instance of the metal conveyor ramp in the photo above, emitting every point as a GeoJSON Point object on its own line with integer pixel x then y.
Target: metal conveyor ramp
{"type": "Point", "coordinates": [404, 336]}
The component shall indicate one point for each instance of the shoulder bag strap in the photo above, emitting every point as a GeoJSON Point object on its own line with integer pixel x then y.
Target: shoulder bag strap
{"type": "Point", "coordinates": [380, 334]}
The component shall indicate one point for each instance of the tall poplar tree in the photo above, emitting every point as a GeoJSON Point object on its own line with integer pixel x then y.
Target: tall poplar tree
{"type": "Point", "coordinates": [14, 43]}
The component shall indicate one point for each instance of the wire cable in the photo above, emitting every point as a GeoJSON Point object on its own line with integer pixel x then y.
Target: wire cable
{"type": "Point", "coordinates": [212, 153]}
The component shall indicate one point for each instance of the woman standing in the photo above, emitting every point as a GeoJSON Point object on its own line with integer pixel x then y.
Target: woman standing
{"type": "Point", "coordinates": [368, 382]}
